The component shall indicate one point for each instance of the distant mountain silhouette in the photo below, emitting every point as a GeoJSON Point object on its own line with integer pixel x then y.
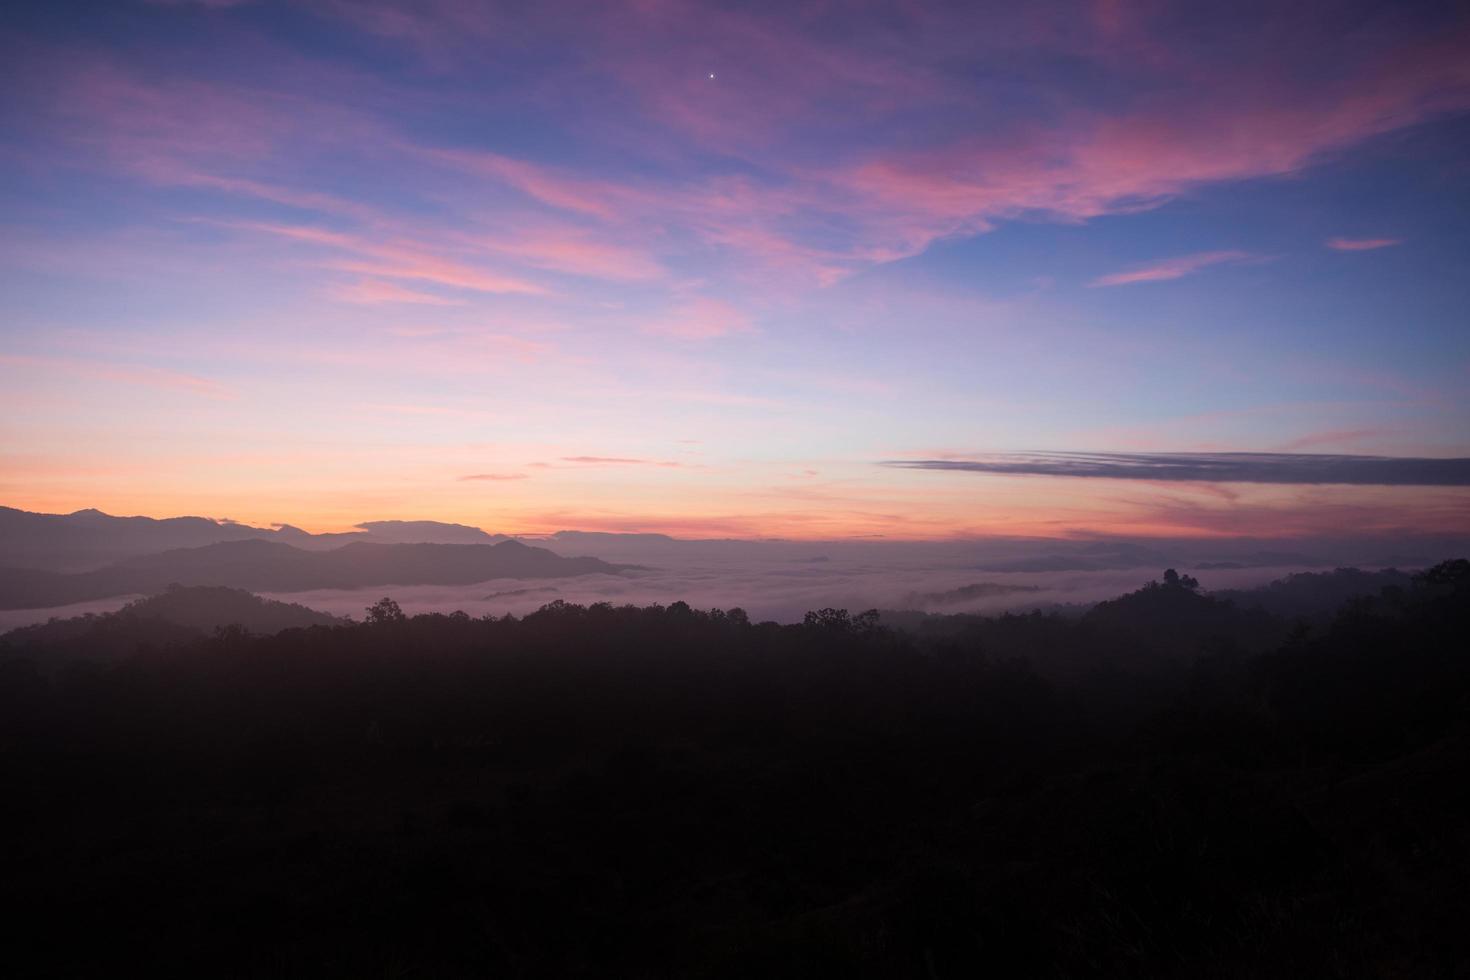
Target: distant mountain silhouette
{"type": "Point", "coordinates": [271, 566]}
{"type": "Point", "coordinates": [89, 539]}
{"type": "Point", "coordinates": [428, 532]}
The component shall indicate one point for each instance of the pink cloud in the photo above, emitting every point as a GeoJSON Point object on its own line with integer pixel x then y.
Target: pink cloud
{"type": "Point", "coordinates": [398, 261]}
{"type": "Point", "coordinates": [562, 191]}
{"type": "Point", "coordinates": [874, 205]}
{"type": "Point", "coordinates": [475, 477]}
{"type": "Point", "coordinates": [572, 253]}
{"type": "Point", "coordinates": [1170, 268]}
{"type": "Point", "coordinates": [621, 461]}
{"type": "Point", "coordinates": [1299, 513]}
{"type": "Point", "coordinates": [1088, 164]}
{"type": "Point", "coordinates": [820, 211]}
{"type": "Point", "coordinates": [306, 200]}
{"type": "Point", "coordinates": [1332, 437]}
{"type": "Point", "coordinates": [1362, 244]}
{"type": "Point", "coordinates": [701, 319]}
{"type": "Point", "coordinates": [603, 459]}
{"type": "Point", "coordinates": [806, 194]}
{"type": "Point", "coordinates": [425, 267]}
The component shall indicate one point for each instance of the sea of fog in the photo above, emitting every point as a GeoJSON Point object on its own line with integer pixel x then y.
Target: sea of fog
{"type": "Point", "coordinates": [769, 592]}
{"type": "Point", "coordinates": [781, 590]}
{"type": "Point", "coordinates": [781, 580]}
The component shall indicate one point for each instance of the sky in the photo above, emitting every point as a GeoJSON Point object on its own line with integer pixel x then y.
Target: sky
{"type": "Point", "coordinates": [801, 269]}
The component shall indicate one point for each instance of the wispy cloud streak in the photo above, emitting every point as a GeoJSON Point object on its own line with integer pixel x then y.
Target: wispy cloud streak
{"type": "Point", "coordinates": [1175, 268]}
{"type": "Point", "coordinates": [620, 461]}
{"type": "Point", "coordinates": [398, 261]}
{"type": "Point", "coordinates": [1362, 244]}
{"type": "Point", "coordinates": [1283, 468]}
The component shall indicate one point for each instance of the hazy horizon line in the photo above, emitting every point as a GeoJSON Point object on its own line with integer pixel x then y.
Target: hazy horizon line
{"type": "Point", "coordinates": [1062, 537]}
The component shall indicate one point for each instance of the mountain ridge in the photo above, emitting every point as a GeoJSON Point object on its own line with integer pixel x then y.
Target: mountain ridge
{"type": "Point", "coordinates": [89, 539]}
{"type": "Point", "coordinates": [274, 566]}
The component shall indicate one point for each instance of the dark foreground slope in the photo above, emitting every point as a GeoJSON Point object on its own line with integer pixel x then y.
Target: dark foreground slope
{"type": "Point", "coordinates": [270, 566]}
{"type": "Point", "coordinates": [661, 792]}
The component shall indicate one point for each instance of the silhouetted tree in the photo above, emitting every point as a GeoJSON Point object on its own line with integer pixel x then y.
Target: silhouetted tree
{"type": "Point", "coordinates": [383, 612]}
{"type": "Point", "coordinates": [832, 620]}
{"type": "Point", "coordinates": [1174, 580]}
{"type": "Point", "coordinates": [1454, 573]}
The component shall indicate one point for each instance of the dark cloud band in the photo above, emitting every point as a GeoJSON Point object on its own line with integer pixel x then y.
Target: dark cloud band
{"type": "Point", "coordinates": [1298, 468]}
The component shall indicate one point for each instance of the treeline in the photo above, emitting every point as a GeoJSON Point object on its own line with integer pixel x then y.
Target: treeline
{"type": "Point", "coordinates": [662, 791]}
